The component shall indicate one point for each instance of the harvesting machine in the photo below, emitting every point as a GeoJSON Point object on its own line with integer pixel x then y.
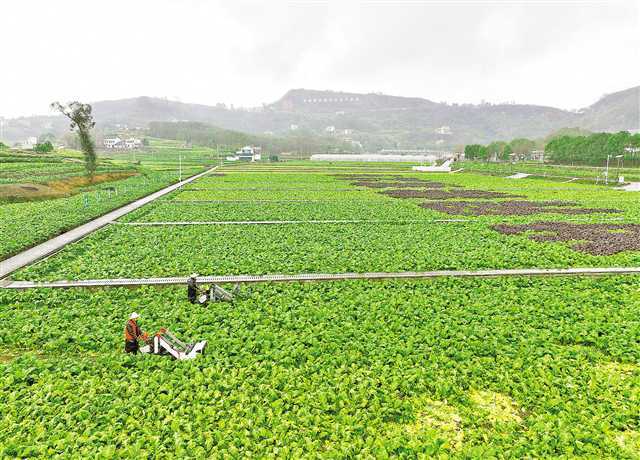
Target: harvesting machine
{"type": "Point", "coordinates": [165, 343]}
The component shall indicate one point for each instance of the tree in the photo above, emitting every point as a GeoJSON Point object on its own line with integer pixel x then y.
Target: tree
{"type": "Point", "coordinates": [81, 122]}
{"type": "Point", "coordinates": [44, 147]}
{"type": "Point", "coordinates": [522, 146]}
{"type": "Point", "coordinates": [506, 153]}
{"type": "Point", "coordinates": [42, 138]}
{"type": "Point", "coordinates": [475, 152]}
{"type": "Point", "coordinates": [496, 150]}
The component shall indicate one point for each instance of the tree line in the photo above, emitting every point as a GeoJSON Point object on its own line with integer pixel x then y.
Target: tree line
{"type": "Point", "coordinates": [593, 149]}
{"type": "Point", "coordinates": [562, 148]}
{"type": "Point", "coordinates": [500, 150]}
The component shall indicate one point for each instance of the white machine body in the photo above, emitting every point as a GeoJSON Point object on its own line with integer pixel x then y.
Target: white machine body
{"type": "Point", "coordinates": [164, 342]}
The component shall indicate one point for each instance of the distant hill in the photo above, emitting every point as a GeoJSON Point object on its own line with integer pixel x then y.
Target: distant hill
{"type": "Point", "coordinates": [614, 112]}
{"type": "Point", "coordinates": [313, 101]}
{"type": "Point", "coordinates": [373, 120]}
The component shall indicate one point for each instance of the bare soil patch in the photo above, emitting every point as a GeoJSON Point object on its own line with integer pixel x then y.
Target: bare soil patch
{"type": "Point", "coordinates": [56, 189]}
{"type": "Point", "coordinates": [431, 194]}
{"type": "Point", "coordinates": [595, 239]}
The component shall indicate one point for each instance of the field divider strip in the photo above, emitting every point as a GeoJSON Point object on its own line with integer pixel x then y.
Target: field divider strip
{"type": "Point", "coordinates": [288, 222]}
{"type": "Point", "coordinates": [476, 220]}
{"type": "Point", "coordinates": [267, 189]}
{"type": "Point", "coordinates": [374, 199]}
{"type": "Point", "coordinates": [47, 248]}
{"type": "Point", "coordinates": [303, 277]}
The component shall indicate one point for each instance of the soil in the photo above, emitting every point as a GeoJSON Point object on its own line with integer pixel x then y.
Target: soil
{"type": "Point", "coordinates": [595, 239]}
{"type": "Point", "coordinates": [511, 208]}
{"type": "Point", "coordinates": [56, 189]}
{"type": "Point", "coordinates": [431, 194]}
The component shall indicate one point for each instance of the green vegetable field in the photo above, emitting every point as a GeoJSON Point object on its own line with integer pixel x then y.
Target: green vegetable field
{"type": "Point", "coordinates": [505, 367]}
{"type": "Point", "coordinates": [28, 223]}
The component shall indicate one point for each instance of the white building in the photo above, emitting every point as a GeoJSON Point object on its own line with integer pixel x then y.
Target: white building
{"type": "Point", "coordinates": [111, 142]}
{"type": "Point", "coordinates": [330, 129]}
{"type": "Point", "coordinates": [443, 130]}
{"type": "Point", "coordinates": [293, 127]}
{"type": "Point", "coordinates": [249, 153]}
{"type": "Point", "coordinates": [116, 143]}
{"type": "Point", "coordinates": [435, 154]}
{"type": "Point", "coordinates": [133, 143]}
{"type": "Point", "coordinates": [30, 143]}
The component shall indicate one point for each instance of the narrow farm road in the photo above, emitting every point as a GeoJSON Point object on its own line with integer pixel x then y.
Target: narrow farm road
{"type": "Point", "coordinates": [35, 253]}
{"type": "Point", "coordinates": [305, 277]}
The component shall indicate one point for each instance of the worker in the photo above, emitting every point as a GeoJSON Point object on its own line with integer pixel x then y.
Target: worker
{"type": "Point", "coordinates": [192, 288]}
{"type": "Point", "coordinates": [132, 334]}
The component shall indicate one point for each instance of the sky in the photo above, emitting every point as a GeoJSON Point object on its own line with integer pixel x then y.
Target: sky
{"type": "Point", "coordinates": [564, 54]}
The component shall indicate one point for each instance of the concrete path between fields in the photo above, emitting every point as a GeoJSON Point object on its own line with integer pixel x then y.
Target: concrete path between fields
{"type": "Point", "coordinates": [42, 250]}
{"type": "Point", "coordinates": [306, 277]}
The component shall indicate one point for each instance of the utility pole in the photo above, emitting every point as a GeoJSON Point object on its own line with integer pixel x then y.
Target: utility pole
{"type": "Point", "coordinates": [620, 178]}
{"type": "Point", "coordinates": [180, 167]}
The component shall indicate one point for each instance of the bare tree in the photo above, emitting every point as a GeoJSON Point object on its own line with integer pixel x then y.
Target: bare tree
{"type": "Point", "coordinates": [82, 122]}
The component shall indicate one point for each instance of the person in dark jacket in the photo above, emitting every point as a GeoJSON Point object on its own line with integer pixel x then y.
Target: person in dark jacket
{"type": "Point", "coordinates": [132, 333]}
{"type": "Point", "coordinates": [192, 288]}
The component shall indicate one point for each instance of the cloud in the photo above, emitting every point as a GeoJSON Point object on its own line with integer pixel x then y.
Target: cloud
{"type": "Point", "coordinates": [247, 52]}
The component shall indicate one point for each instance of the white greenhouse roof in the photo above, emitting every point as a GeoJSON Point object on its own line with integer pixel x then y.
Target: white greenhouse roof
{"type": "Point", "coordinates": [371, 157]}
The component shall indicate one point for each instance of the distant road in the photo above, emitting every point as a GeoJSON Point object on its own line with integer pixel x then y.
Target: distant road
{"type": "Point", "coordinates": [29, 256]}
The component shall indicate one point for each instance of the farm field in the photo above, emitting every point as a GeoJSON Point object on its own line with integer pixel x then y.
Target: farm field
{"type": "Point", "coordinates": [24, 224]}
{"type": "Point", "coordinates": [465, 368]}
{"type": "Point", "coordinates": [557, 172]}
{"type": "Point", "coordinates": [397, 234]}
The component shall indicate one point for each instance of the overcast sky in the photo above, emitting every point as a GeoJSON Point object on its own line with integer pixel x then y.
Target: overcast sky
{"type": "Point", "coordinates": [563, 54]}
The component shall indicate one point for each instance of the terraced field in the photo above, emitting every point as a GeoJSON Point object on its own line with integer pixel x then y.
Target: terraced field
{"type": "Point", "coordinates": [29, 222]}
{"type": "Point", "coordinates": [469, 368]}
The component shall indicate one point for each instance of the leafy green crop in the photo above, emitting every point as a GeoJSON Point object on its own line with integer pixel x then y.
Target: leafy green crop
{"type": "Point", "coordinates": [464, 368]}
{"type": "Point", "coordinates": [339, 369]}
